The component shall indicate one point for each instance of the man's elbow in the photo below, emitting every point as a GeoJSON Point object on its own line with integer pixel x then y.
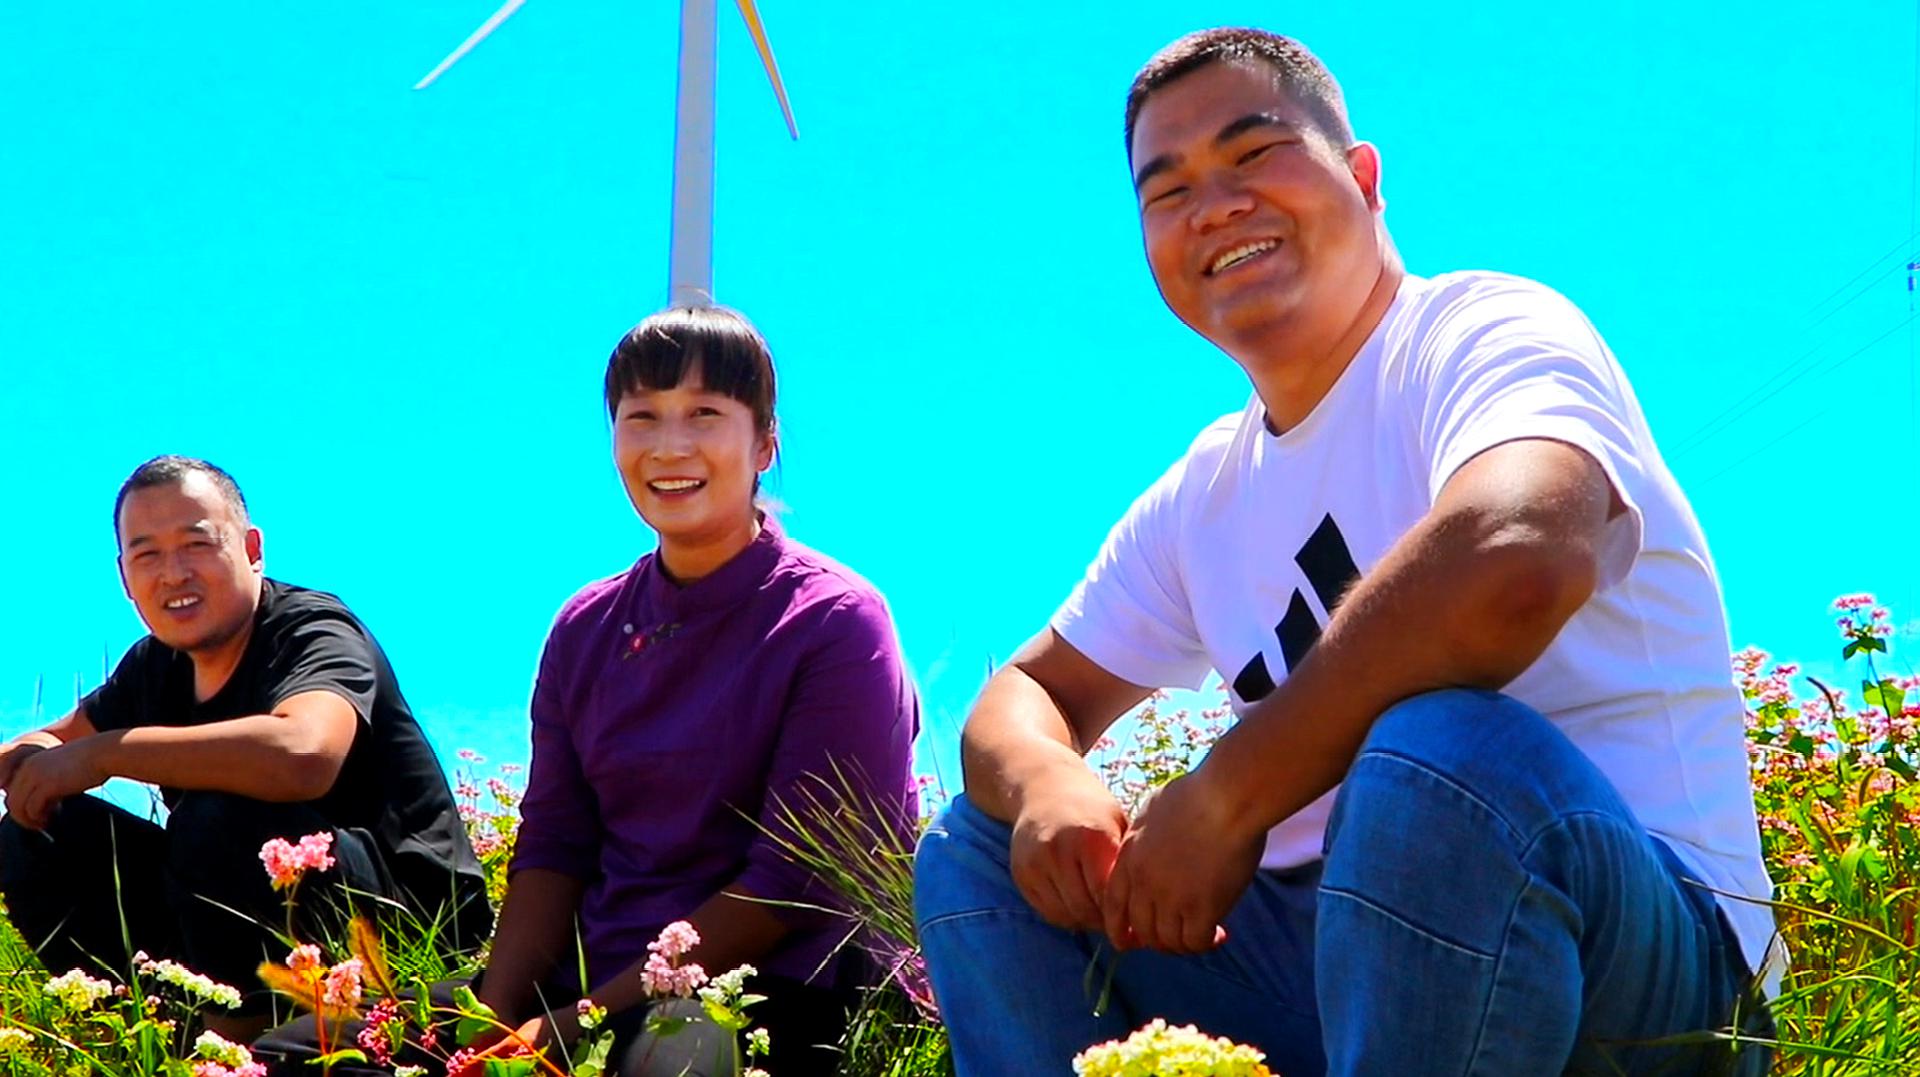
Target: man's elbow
{"type": "Point", "coordinates": [308, 772]}
{"type": "Point", "coordinates": [1534, 582]}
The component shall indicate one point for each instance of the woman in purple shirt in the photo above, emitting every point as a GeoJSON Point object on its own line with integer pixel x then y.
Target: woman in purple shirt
{"type": "Point", "coordinates": [679, 703]}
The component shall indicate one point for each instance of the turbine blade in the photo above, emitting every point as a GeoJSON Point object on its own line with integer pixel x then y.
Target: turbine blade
{"type": "Point", "coordinates": [473, 39]}
{"type": "Point", "coordinates": [760, 42]}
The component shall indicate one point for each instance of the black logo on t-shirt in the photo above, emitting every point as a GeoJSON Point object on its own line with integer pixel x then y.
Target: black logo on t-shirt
{"type": "Point", "coordinates": [1330, 571]}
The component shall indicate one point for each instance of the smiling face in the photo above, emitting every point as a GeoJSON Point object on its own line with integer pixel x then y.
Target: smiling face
{"type": "Point", "coordinates": [1260, 230]}
{"type": "Point", "coordinates": [689, 457]}
{"type": "Point", "coordinates": [190, 562]}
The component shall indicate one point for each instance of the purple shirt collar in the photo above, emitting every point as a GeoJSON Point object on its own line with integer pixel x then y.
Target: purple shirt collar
{"type": "Point", "coordinates": [727, 585]}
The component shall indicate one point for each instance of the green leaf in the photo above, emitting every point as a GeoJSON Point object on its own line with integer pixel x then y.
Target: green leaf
{"type": "Point", "coordinates": [1874, 643]}
{"type": "Point", "coordinates": [1896, 763]}
{"type": "Point", "coordinates": [667, 1026]}
{"type": "Point", "coordinates": [423, 1004]}
{"type": "Point", "coordinates": [593, 1061]}
{"type": "Point", "coordinates": [475, 1016]}
{"type": "Point", "coordinates": [350, 1054]}
{"type": "Point", "coordinates": [517, 1066]}
{"type": "Point", "coordinates": [1886, 695]}
{"type": "Point", "coordinates": [727, 1018]}
{"type": "Point", "coordinates": [1850, 650]}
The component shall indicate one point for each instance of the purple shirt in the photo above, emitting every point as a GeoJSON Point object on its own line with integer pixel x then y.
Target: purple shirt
{"type": "Point", "coordinates": [667, 719]}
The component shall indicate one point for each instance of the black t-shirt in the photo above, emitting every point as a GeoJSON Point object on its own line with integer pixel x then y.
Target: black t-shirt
{"type": "Point", "coordinates": [391, 785]}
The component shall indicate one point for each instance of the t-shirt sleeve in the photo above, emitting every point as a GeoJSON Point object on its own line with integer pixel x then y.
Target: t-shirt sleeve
{"type": "Point", "coordinates": [559, 820]}
{"type": "Point", "coordinates": [1130, 612]}
{"type": "Point", "coordinates": [1515, 361]}
{"type": "Point", "coordinates": [323, 651]}
{"type": "Point", "coordinates": [847, 730]}
{"type": "Point", "coordinates": [119, 701]}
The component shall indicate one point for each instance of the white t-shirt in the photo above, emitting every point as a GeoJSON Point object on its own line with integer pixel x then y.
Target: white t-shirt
{"type": "Point", "coordinates": [1202, 573]}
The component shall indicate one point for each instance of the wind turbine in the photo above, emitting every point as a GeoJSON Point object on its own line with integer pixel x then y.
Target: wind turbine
{"type": "Point", "coordinates": [690, 260]}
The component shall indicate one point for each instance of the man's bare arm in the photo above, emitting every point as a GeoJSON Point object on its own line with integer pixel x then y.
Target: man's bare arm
{"type": "Point", "coordinates": [1022, 753]}
{"type": "Point", "coordinates": [73, 726]}
{"type": "Point", "coordinates": [1035, 721]}
{"type": "Point", "coordinates": [292, 754]}
{"type": "Point", "coordinates": [1469, 597]}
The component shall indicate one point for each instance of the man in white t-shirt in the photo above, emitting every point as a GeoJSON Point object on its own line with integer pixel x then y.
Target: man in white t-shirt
{"type": "Point", "coordinates": [1485, 809]}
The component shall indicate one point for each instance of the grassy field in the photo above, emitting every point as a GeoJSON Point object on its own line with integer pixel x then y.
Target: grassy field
{"type": "Point", "coordinates": [1833, 774]}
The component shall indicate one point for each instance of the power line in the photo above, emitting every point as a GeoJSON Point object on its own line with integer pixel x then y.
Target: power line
{"type": "Point", "coordinates": [1792, 371]}
{"type": "Point", "coordinates": [1828, 369]}
{"type": "Point", "coordinates": [1737, 464]}
{"type": "Point", "coordinates": [1913, 233]}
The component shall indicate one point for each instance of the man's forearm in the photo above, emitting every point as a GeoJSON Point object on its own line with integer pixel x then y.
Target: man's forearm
{"type": "Point", "coordinates": [265, 757]}
{"type": "Point", "coordinates": [1016, 740]}
{"type": "Point", "coordinates": [1447, 607]}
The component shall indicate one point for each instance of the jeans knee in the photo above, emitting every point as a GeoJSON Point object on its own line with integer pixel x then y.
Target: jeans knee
{"type": "Point", "coordinates": [1461, 763]}
{"type": "Point", "coordinates": [961, 862]}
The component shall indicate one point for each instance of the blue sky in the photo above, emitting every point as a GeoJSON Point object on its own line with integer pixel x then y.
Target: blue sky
{"type": "Point", "coordinates": [231, 230]}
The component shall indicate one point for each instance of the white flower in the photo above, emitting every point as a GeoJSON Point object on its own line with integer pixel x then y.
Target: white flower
{"type": "Point", "coordinates": [14, 1041]}
{"type": "Point", "coordinates": [195, 986]}
{"type": "Point", "coordinates": [214, 1048]}
{"type": "Point", "coordinates": [77, 991]}
{"type": "Point", "coordinates": [757, 1041]}
{"type": "Point", "coordinates": [725, 989]}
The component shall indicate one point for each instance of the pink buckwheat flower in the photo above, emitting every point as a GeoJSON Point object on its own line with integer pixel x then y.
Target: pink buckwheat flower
{"type": "Point", "coordinates": [663, 976]}
{"type": "Point", "coordinates": [287, 862]}
{"type": "Point", "coordinates": [305, 958]}
{"type": "Point", "coordinates": [675, 940]}
{"type": "Point", "coordinates": [342, 985]}
{"type": "Point", "coordinates": [215, 1069]}
{"type": "Point", "coordinates": [382, 1032]}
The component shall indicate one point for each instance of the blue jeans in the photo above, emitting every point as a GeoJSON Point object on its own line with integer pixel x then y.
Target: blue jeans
{"type": "Point", "coordinates": [1487, 905]}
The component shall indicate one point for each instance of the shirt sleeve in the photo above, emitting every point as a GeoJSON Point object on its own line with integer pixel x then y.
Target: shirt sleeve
{"type": "Point", "coordinates": [559, 820]}
{"type": "Point", "coordinates": [118, 702]}
{"type": "Point", "coordinates": [1517, 361]}
{"type": "Point", "coordinates": [323, 651]}
{"type": "Point", "coordinates": [847, 731]}
{"type": "Point", "coordinates": [1130, 613]}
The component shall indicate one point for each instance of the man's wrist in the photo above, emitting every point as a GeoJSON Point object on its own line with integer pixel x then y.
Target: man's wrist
{"type": "Point", "coordinates": [1055, 779]}
{"type": "Point", "coordinates": [102, 752]}
{"type": "Point", "coordinates": [1234, 785]}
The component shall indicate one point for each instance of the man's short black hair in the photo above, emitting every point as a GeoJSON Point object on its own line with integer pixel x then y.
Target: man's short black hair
{"type": "Point", "coordinates": [1299, 72]}
{"type": "Point", "coordinates": [171, 471]}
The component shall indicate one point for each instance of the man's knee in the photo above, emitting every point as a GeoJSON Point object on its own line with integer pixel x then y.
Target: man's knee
{"type": "Point", "coordinates": [210, 831]}
{"type": "Point", "coordinates": [961, 860]}
{"type": "Point", "coordinates": [21, 850]}
{"type": "Point", "coordinates": [1469, 761]}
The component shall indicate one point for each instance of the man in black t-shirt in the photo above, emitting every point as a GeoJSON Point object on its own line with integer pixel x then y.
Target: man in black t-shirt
{"type": "Point", "coordinates": [262, 711]}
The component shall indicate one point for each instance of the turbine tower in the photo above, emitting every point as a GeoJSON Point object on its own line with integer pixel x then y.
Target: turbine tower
{"type": "Point", "coordinates": [690, 258]}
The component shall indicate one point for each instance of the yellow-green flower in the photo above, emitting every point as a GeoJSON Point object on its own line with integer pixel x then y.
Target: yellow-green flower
{"type": "Point", "coordinates": [1157, 1050]}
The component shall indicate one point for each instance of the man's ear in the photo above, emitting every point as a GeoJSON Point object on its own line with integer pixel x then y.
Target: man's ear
{"type": "Point", "coordinates": [1363, 160]}
{"type": "Point", "coordinates": [256, 554]}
